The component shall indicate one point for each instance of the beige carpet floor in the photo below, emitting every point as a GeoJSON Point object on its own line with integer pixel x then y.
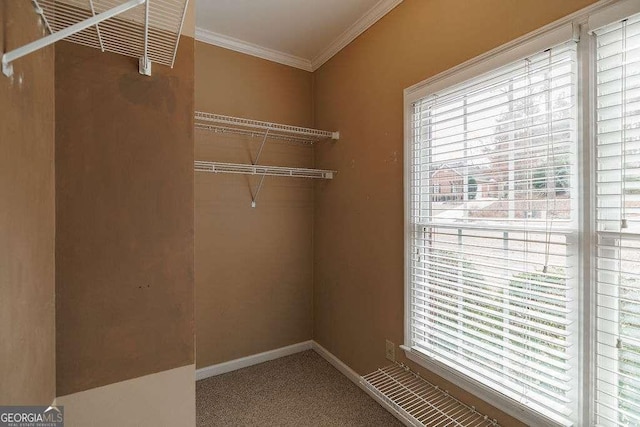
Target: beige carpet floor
{"type": "Point", "coordinates": [298, 390]}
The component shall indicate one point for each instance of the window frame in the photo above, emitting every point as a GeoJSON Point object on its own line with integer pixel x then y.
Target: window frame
{"type": "Point", "coordinates": [577, 26]}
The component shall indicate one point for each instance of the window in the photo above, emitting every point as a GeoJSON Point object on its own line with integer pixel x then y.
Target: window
{"type": "Point", "coordinates": [524, 286]}
{"type": "Point", "coordinates": [493, 290]}
{"type": "Point", "coordinates": [618, 223]}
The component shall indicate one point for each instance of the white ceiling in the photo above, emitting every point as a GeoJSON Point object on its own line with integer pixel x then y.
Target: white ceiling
{"type": "Point", "coordinates": [301, 33]}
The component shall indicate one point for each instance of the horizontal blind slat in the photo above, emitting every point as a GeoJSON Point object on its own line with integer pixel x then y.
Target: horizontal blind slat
{"type": "Point", "coordinates": [618, 198]}
{"type": "Point", "coordinates": [492, 167]}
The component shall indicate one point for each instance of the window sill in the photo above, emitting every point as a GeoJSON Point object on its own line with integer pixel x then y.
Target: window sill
{"type": "Point", "coordinates": [490, 396]}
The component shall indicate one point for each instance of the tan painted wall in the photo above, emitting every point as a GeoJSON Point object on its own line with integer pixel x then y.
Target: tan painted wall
{"type": "Point", "coordinates": [189, 24]}
{"type": "Point", "coordinates": [124, 217]}
{"type": "Point", "coordinates": [253, 266]}
{"type": "Point", "coordinates": [27, 215]}
{"type": "Point", "coordinates": [164, 399]}
{"type": "Point", "coordinates": [358, 269]}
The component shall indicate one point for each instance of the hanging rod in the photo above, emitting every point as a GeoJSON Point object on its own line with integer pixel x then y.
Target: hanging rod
{"type": "Point", "coordinates": [244, 126]}
{"type": "Point", "coordinates": [246, 169]}
{"type": "Point", "coordinates": [9, 57]}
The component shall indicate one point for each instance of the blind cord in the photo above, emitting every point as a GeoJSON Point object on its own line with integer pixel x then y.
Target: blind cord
{"type": "Point", "coordinates": [623, 146]}
{"type": "Point", "coordinates": [529, 171]}
{"type": "Point", "coordinates": [623, 172]}
{"type": "Point", "coordinates": [550, 176]}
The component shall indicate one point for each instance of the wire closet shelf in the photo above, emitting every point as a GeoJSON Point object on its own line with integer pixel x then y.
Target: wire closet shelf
{"type": "Point", "coordinates": [238, 125]}
{"type": "Point", "coordinates": [145, 29]}
{"type": "Point", "coordinates": [419, 403]}
{"type": "Point", "coordinates": [219, 123]}
{"type": "Point", "coordinates": [245, 169]}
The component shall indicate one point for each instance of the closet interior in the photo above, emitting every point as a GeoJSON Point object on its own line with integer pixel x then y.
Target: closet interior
{"type": "Point", "coordinates": [206, 216]}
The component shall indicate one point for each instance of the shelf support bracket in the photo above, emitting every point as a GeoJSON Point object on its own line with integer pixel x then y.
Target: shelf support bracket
{"type": "Point", "coordinates": [9, 57]}
{"type": "Point", "coordinates": [93, 12]}
{"type": "Point", "coordinates": [254, 197]}
{"type": "Point", "coordinates": [39, 11]}
{"type": "Point", "coordinates": [37, 7]}
{"type": "Point", "coordinates": [264, 139]}
{"type": "Point", "coordinates": [144, 64]}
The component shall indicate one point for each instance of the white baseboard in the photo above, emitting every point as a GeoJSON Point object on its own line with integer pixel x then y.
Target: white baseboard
{"type": "Point", "coordinates": [357, 379]}
{"type": "Point", "coordinates": [243, 362]}
{"type": "Point", "coordinates": [338, 364]}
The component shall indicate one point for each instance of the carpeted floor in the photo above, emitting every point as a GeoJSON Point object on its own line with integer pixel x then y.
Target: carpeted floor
{"type": "Point", "coordinates": [298, 390]}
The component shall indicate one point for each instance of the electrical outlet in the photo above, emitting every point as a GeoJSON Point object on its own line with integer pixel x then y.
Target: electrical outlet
{"type": "Point", "coordinates": [391, 351]}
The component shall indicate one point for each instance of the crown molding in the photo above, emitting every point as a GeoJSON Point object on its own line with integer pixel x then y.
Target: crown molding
{"type": "Point", "coordinates": [242, 46]}
{"type": "Point", "coordinates": [372, 16]}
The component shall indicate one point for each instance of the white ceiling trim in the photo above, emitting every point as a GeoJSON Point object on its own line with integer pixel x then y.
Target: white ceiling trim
{"type": "Point", "coordinates": [242, 46]}
{"type": "Point", "coordinates": [372, 16]}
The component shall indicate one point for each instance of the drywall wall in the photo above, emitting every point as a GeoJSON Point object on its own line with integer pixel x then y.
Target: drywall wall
{"type": "Point", "coordinates": [124, 217]}
{"type": "Point", "coordinates": [253, 265]}
{"type": "Point", "coordinates": [189, 23]}
{"type": "Point", "coordinates": [358, 268]}
{"type": "Point", "coordinates": [27, 215]}
{"type": "Point", "coordinates": [164, 399]}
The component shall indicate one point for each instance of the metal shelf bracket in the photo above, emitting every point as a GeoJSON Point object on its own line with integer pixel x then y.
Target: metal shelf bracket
{"type": "Point", "coordinates": [11, 56]}
{"type": "Point", "coordinates": [144, 64]}
{"type": "Point", "coordinates": [37, 7]}
{"type": "Point", "coordinates": [254, 197]}
{"type": "Point", "coordinates": [264, 139]}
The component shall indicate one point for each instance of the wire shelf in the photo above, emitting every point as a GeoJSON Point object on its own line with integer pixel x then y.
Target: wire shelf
{"type": "Point", "coordinates": [420, 403]}
{"type": "Point", "coordinates": [151, 29]}
{"type": "Point", "coordinates": [246, 169]}
{"type": "Point", "coordinates": [265, 130]}
{"type": "Point", "coordinates": [228, 124]}
{"type": "Point", "coordinates": [251, 133]}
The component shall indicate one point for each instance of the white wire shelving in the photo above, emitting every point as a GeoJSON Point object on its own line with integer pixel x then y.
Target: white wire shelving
{"type": "Point", "coordinates": [218, 123]}
{"type": "Point", "coordinates": [242, 126]}
{"type": "Point", "coordinates": [419, 403]}
{"type": "Point", "coordinates": [245, 169]}
{"type": "Point", "coordinates": [145, 29]}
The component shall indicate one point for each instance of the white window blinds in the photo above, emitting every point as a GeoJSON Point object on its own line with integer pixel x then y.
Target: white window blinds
{"type": "Point", "coordinates": [491, 262]}
{"type": "Point", "coordinates": [618, 224]}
